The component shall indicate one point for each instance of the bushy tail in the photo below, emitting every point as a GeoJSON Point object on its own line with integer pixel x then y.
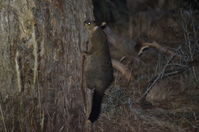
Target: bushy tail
{"type": "Point", "coordinates": [96, 106]}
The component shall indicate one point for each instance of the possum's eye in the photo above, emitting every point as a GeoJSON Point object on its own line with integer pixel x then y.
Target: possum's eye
{"type": "Point", "coordinates": [87, 22]}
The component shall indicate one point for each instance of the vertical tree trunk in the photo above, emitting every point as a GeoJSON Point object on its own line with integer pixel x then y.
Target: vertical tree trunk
{"type": "Point", "coordinates": [40, 43]}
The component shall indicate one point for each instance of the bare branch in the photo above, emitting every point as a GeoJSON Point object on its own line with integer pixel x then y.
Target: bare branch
{"type": "Point", "coordinates": [158, 47]}
{"type": "Point", "coordinates": [156, 79]}
{"type": "Point", "coordinates": [121, 68]}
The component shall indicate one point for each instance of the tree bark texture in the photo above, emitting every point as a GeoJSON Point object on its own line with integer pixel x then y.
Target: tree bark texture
{"type": "Point", "coordinates": [40, 44]}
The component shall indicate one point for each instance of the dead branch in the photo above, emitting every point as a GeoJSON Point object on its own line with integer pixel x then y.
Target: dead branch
{"type": "Point", "coordinates": [164, 74]}
{"type": "Point", "coordinates": [121, 68]}
{"type": "Point", "coordinates": [168, 73]}
{"type": "Point", "coordinates": [156, 46]}
{"type": "Point", "coordinates": [156, 79]}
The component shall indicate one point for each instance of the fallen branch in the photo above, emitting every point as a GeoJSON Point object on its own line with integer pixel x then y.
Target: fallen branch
{"type": "Point", "coordinates": [141, 46]}
{"type": "Point", "coordinates": [164, 74]}
{"type": "Point", "coordinates": [121, 68]}
{"type": "Point", "coordinates": [156, 79]}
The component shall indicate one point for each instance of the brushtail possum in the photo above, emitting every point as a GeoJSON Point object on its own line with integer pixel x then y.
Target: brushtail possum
{"type": "Point", "coordinates": [98, 67]}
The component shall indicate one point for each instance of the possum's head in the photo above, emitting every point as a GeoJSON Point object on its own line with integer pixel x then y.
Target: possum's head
{"type": "Point", "coordinates": [90, 26]}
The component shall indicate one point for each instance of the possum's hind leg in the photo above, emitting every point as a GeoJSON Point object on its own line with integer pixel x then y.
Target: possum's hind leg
{"type": "Point", "coordinates": [96, 106]}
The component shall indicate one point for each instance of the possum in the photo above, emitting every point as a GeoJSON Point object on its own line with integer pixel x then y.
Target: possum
{"type": "Point", "coordinates": [98, 67]}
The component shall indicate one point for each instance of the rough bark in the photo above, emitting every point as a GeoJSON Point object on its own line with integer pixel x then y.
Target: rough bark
{"type": "Point", "coordinates": [40, 56]}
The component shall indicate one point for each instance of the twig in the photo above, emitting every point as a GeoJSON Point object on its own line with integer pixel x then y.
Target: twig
{"type": "Point", "coordinates": [82, 73]}
{"type": "Point", "coordinates": [82, 83]}
{"type": "Point", "coordinates": [185, 23]}
{"type": "Point", "coordinates": [175, 72]}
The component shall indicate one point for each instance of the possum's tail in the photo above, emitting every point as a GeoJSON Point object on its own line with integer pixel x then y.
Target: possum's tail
{"type": "Point", "coordinates": [96, 106]}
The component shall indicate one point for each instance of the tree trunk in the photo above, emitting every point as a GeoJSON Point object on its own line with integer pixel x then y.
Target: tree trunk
{"type": "Point", "coordinates": [40, 59]}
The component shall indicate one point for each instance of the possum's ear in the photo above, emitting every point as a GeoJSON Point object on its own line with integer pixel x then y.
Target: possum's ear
{"type": "Point", "coordinates": [103, 25]}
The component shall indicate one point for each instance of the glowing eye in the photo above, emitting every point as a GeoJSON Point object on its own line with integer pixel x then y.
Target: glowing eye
{"type": "Point", "coordinates": [89, 23]}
